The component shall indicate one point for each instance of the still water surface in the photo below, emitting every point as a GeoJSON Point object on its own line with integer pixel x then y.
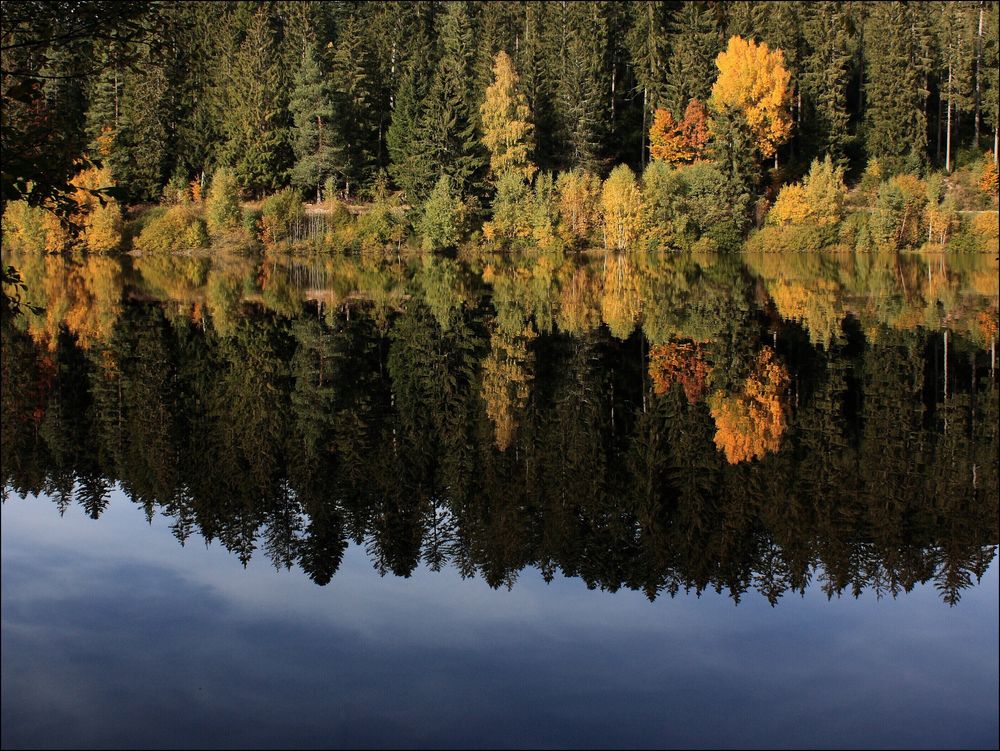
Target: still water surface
{"type": "Point", "coordinates": [623, 501]}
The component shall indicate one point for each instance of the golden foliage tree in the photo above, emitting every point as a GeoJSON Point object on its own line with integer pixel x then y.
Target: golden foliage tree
{"type": "Point", "coordinates": [621, 208]}
{"type": "Point", "coordinates": [99, 216]}
{"type": "Point", "coordinates": [679, 362]}
{"type": "Point", "coordinates": [683, 142]}
{"type": "Point", "coordinates": [579, 192]}
{"type": "Point", "coordinates": [506, 119]}
{"type": "Point", "coordinates": [989, 179]}
{"type": "Point", "coordinates": [750, 424]}
{"type": "Point", "coordinates": [754, 81]}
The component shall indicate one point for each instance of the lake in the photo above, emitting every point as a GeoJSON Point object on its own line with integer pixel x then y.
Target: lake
{"type": "Point", "coordinates": [739, 499]}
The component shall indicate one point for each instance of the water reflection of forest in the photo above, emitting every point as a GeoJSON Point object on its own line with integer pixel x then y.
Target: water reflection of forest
{"type": "Point", "coordinates": [662, 423]}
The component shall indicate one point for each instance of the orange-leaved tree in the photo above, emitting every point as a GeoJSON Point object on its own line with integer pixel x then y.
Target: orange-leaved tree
{"type": "Point", "coordinates": [683, 142]}
{"type": "Point", "coordinates": [753, 80]}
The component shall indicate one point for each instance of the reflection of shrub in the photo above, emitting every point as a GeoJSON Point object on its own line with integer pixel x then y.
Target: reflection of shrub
{"type": "Point", "coordinates": [279, 213]}
{"type": "Point", "coordinates": [178, 228]}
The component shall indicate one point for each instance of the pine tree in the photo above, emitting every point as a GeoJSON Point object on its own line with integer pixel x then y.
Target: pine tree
{"type": "Point", "coordinates": [315, 139]}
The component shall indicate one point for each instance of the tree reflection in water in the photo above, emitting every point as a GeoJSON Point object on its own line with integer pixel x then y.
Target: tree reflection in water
{"type": "Point", "coordinates": [666, 423]}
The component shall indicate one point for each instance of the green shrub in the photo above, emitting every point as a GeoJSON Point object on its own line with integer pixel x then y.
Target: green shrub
{"type": "Point", "coordinates": [222, 204]}
{"type": "Point", "coordinates": [279, 213]}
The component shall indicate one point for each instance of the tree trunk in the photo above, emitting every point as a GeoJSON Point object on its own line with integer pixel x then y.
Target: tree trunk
{"type": "Point", "coordinates": [979, 58]}
{"type": "Point", "coordinates": [947, 142]}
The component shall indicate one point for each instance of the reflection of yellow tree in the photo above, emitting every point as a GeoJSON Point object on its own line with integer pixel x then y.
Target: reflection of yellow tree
{"type": "Point", "coordinates": [84, 294]}
{"type": "Point", "coordinates": [620, 297]}
{"type": "Point", "coordinates": [679, 362]}
{"type": "Point", "coordinates": [578, 311]}
{"type": "Point", "coordinates": [750, 424]}
{"type": "Point", "coordinates": [507, 376]}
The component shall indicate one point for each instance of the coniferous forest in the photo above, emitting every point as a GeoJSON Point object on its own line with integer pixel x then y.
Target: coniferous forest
{"type": "Point", "coordinates": [622, 124]}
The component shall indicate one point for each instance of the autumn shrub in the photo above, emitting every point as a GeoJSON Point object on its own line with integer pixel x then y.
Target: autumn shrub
{"type": "Point", "coordinates": [177, 228]}
{"type": "Point", "coordinates": [819, 198]}
{"type": "Point", "coordinates": [989, 178]}
{"type": "Point", "coordinates": [512, 208]}
{"type": "Point", "coordinates": [897, 219]}
{"type": "Point", "coordinates": [32, 229]}
{"type": "Point", "coordinates": [222, 203]}
{"type": "Point", "coordinates": [279, 213]}
{"type": "Point", "coordinates": [97, 214]}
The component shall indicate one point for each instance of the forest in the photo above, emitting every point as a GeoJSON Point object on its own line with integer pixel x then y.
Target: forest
{"type": "Point", "coordinates": [165, 126]}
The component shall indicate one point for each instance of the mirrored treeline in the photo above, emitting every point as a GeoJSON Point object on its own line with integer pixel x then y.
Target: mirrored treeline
{"type": "Point", "coordinates": [665, 425]}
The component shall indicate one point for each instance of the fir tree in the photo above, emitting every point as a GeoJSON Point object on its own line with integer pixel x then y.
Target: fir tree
{"type": "Point", "coordinates": [896, 70]}
{"type": "Point", "coordinates": [447, 133]}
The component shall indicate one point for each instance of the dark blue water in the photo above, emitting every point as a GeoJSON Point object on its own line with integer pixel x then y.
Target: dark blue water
{"type": "Point", "coordinates": [116, 636]}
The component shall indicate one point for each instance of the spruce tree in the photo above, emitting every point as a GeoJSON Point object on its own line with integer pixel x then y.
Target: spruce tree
{"type": "Point", "coordinates": [896, 71]}
{"type": "Point", "coordinates": [315, 139]}
{"type": "Point", "coordinates": [824, 80]}
{"type": "Point", "coordinates": [255, 135]}
{"type": "Point", "coordinates": [447, 132]}
{"type": "Point", "coordinates": [695, 40]}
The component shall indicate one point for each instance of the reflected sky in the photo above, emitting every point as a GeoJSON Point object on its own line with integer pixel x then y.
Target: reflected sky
{"type": "Point", "coordinates": [115, 636]}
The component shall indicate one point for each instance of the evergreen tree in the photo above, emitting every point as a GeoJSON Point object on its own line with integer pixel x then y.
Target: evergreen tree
{"type": "Point", "coordinates": [896, 72]}
{"type": "Point", "coordinates": [315, 139]}
{"type": "Point", "coordinates": [825, 79]}
{"type": "Point", "coordinates": [255, 134]}
{"type": "Point", "coordinates": [647, 43]}
{"type": "Point", "coordinates": [695, 40]}
{"type": "Point", "coordinates": [409, 165]}
{"type": "Point", "coordinates": [447, 132]}
{"type": "Point", "coordinates": [357, 100]}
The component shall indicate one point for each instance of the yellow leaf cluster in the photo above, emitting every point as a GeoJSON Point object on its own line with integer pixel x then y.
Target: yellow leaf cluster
{"type": "Point", "coordinates": [683, 142]}
{"type": "Point", "coordinates": [754, 81]}
{"type": "Point", "coordinates": [989, 180]}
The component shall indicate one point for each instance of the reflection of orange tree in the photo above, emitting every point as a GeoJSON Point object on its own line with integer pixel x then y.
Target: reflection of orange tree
{"type": "Point", "coordinates": [750, 424]}
{"type": "Point", "coordinates": [507, 375]}
{"type": "Point", "coordinates": [679, 362]}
